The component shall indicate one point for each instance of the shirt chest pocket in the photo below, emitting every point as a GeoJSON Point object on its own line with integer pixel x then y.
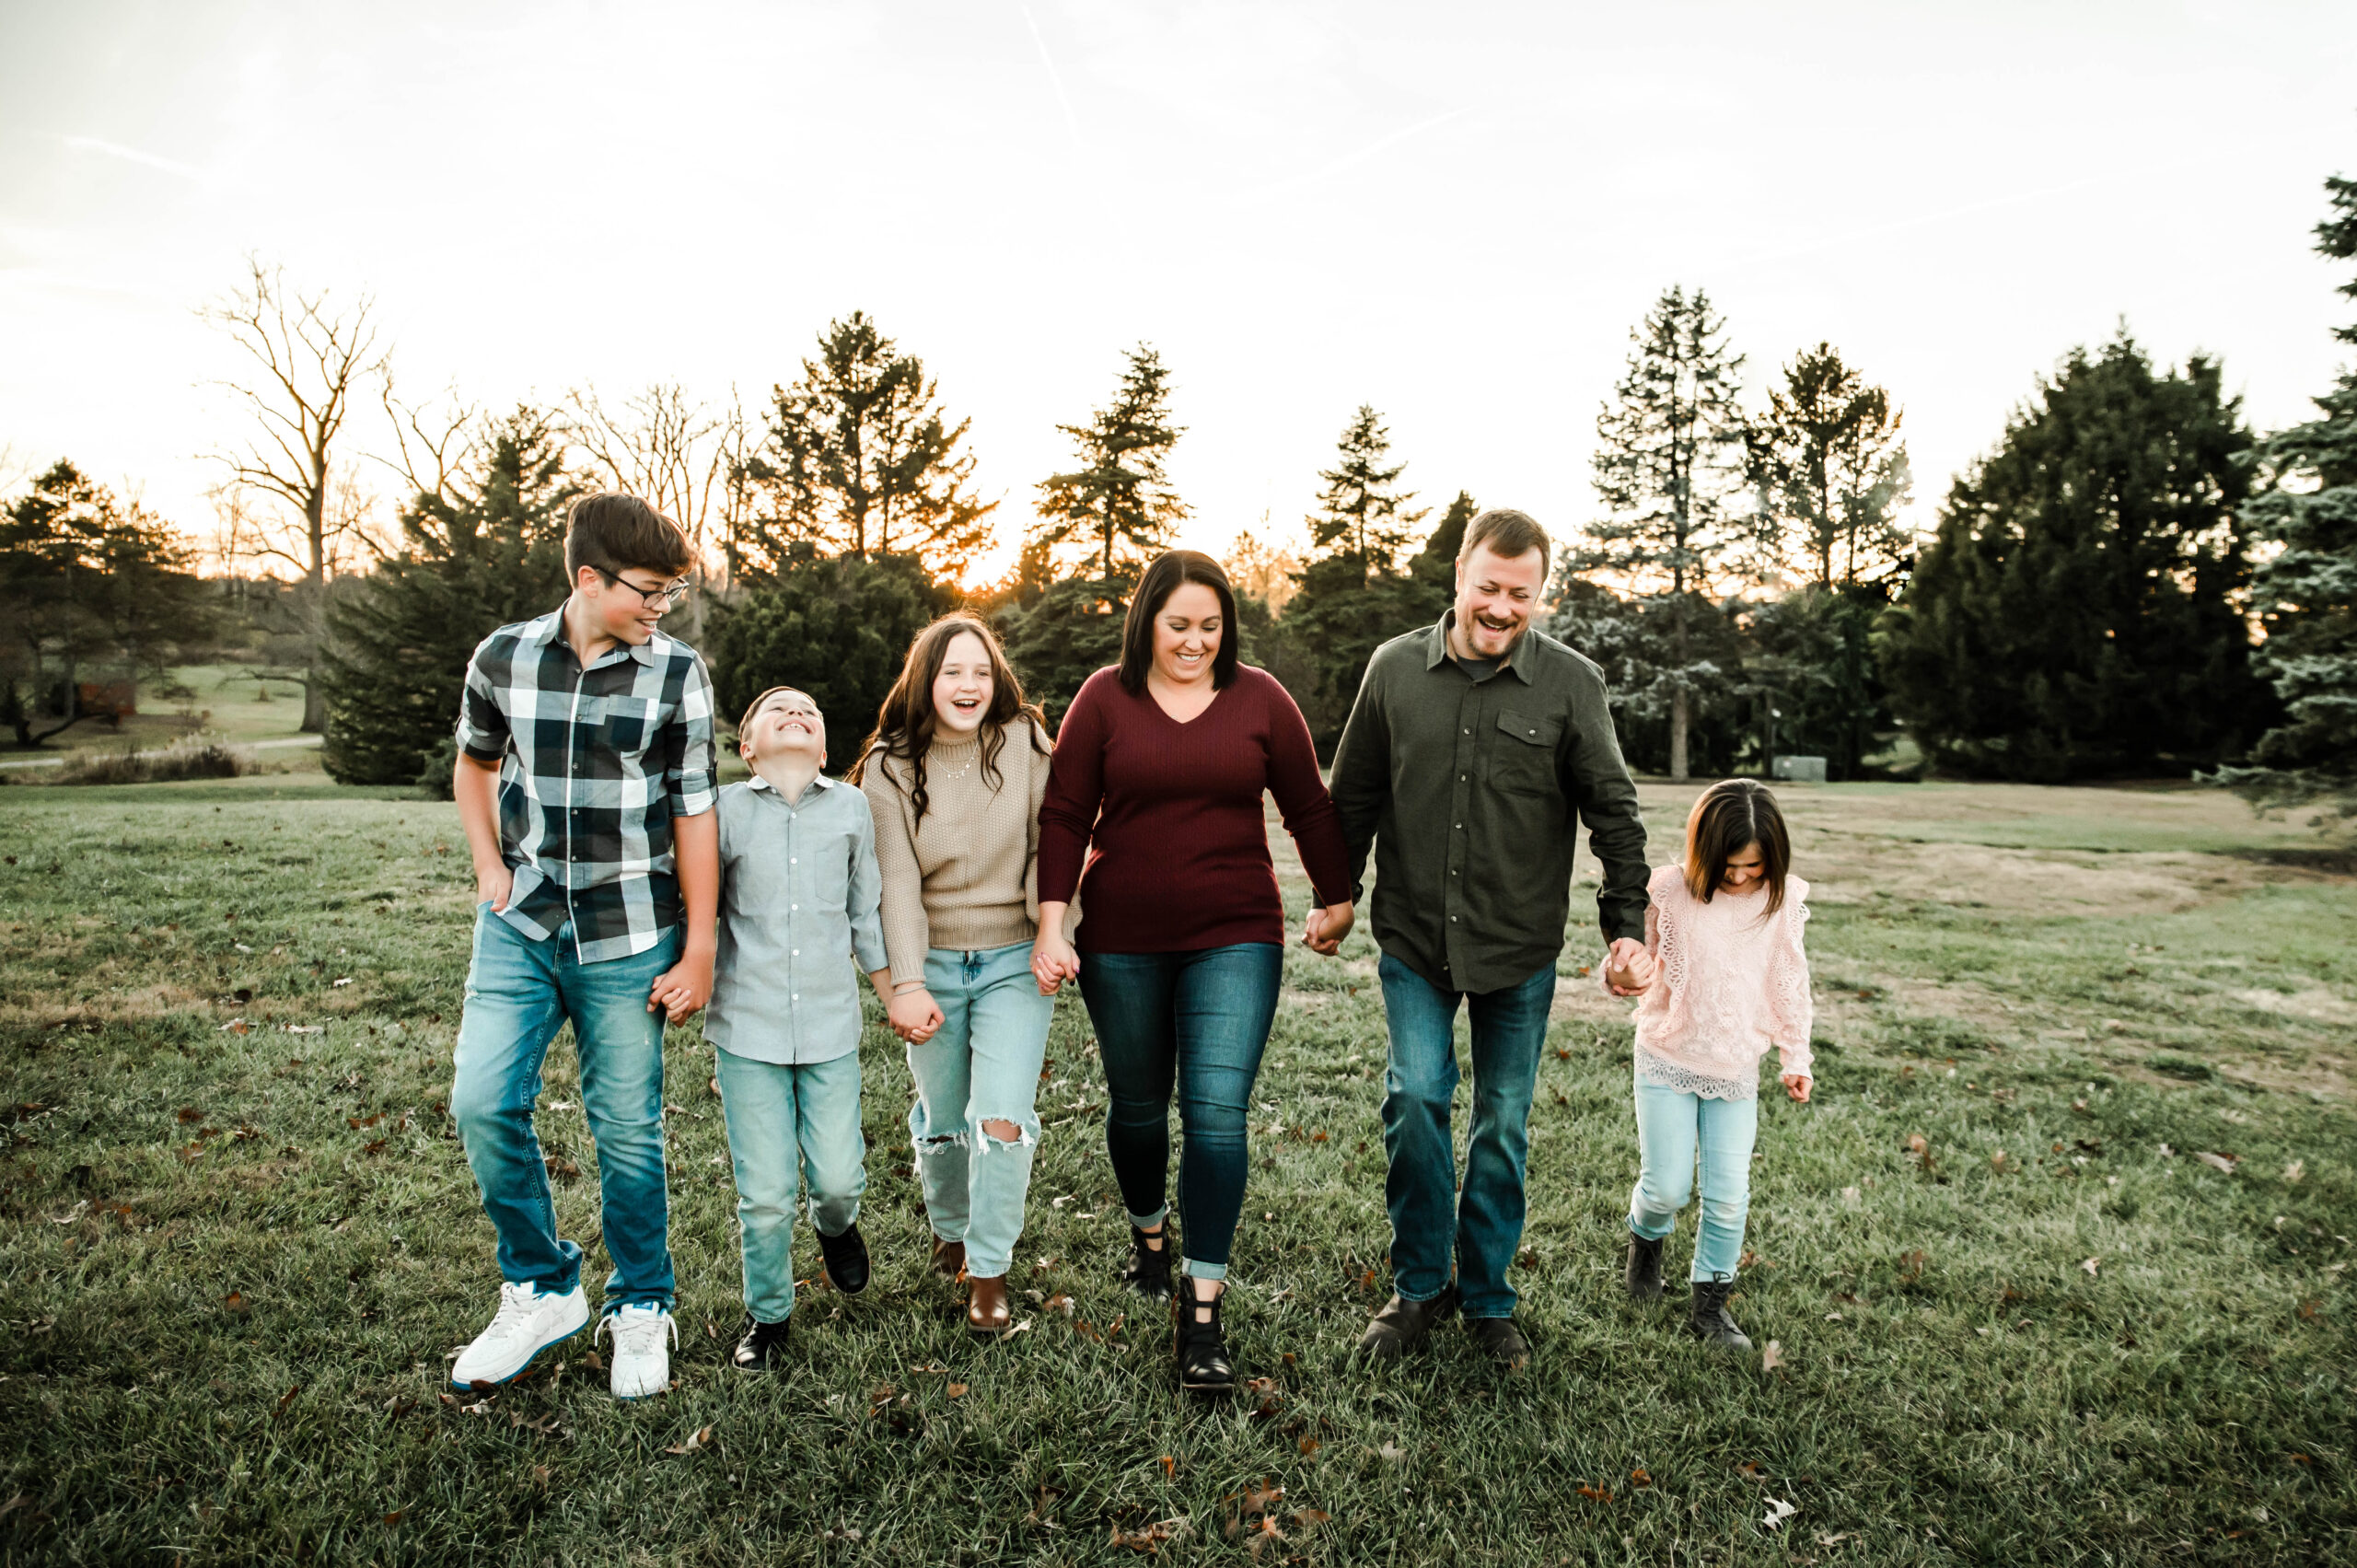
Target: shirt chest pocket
{"type": "Point", "coordinates": [1522, 753]}
{"type": "Point", "coordinates": [627, 724]}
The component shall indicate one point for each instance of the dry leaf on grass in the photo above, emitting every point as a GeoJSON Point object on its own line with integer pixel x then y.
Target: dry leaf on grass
{"type": "Point", "coordinates": [694, 1443]}
{"type": "Point", "coordinates": [1640, 1477]}
{"type": "Point", "coordinates": [1169, 1467]}
{"type": "Point", "coordinates": [2090, 1266]}
{"type": "Point", "coordinates": [1773, 1358]}
{"type": "Point", "coordinates": [2295, 1170]}
{"type": "Point", "coordinates": [1778, 1511]}
{"type": "Point", "coordinates": [956, 1390]}
{"type": "Point", "coordinates": [2218, 1161]}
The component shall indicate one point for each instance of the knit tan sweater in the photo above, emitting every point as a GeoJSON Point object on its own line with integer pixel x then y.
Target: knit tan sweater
{"type": "Point", "coordinates": [966, 878]}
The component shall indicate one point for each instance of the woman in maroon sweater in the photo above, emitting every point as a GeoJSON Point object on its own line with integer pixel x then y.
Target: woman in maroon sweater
{"type": "Point", "coordinates": [1154, 792]}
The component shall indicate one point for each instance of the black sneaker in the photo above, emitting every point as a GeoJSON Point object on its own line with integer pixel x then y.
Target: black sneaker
{"type": "Point", "coordinates": [762, 1348]}
{"type": "Point", "coordinates": [846, 1258]}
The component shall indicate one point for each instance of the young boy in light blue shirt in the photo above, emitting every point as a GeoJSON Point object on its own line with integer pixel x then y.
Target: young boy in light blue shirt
{"type": "Point", "coordinates": [799, 902]}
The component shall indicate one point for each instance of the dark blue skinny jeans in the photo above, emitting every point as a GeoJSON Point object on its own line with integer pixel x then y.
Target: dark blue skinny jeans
{"type": "Point", "coordinates": [1428, 1212]}
{"type": "Point", "coordinates": [1197, 1021]}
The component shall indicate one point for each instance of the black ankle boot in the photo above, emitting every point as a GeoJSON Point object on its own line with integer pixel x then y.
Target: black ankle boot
{"type": "Point", "coordinates": [1199, 1348]}
{"type": "Point", "coordinates": [846, 1255]}
{"type": "Point", "coordinates": [1710, 1322]}
{"type": "Point", "coordinates": [1644, 1273]}
{"type": "Point", "coordinates": [1148, 1270]}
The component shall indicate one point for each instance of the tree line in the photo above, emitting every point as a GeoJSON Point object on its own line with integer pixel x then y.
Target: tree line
{"type": "Point", "coordinates": [2131, 581]}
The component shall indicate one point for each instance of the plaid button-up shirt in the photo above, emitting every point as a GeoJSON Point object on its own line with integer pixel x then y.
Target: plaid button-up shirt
{"type": "Point", "coordinates": [594, 765]}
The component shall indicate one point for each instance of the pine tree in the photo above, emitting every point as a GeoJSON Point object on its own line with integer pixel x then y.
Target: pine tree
{"type": "Point", "coordinates": [486, 551]}
{"type": "Point", "coordinates": [2077, 611]}
{"type": "Point", "coordinates": [1669, 467]}
{"type": "Point", "coordinates": [1118, 503]}
{"type": "Point", "coordinates": [2307, 591]}
{"type": "Point", "coordinates": [859, 460]}
{"type": "Point", "coordinates": [1362, 517]}
{"type": "Point", "coordinates": [1831, 471]}
{"type": "Point", "coordinates": [1435, 565]}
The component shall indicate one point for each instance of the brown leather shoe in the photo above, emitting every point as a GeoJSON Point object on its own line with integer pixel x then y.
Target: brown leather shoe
{"type": "Point", "coordinates": [986, 1310]}
{"type": "Point", "coordinates": [1401, 1325]}
{"type": "Point", "coordinates": [1501, 1340]}
{"type": "Point", "coordinates": [948, 1258]}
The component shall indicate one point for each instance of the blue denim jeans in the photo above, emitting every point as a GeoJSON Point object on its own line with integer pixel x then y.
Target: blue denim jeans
{"type": "Point", "coordinates": [519, 993]}
{"type": "Point", "coordinates": [981, 1066]}
{"type": "Point", "coordinates": [1427, 1213]}
{"type": "Point", "coordinates": [1197, 1021]}
{"type": "Point", "coordinates": [787, 1122]}
{"type": "Point", "coordinates": [1672, 1128]}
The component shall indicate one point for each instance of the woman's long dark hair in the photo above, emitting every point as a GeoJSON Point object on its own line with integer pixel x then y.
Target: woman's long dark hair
{"type": "Point", "coordinates": [1731, 814]}
{"type": "Point", "coordinates": [905, 723]}
{"type": "Point", "coordinates": [1171, 569]}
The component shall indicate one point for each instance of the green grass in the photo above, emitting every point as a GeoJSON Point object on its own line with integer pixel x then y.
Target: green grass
{"type": "Point", "coordinates": [235, 1261]}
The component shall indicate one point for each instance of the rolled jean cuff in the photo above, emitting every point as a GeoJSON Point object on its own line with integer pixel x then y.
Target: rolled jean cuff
{"type": "Point", "coordinates": [1639, 1231]}
{"type": "Point", "coordinates": [1209, 1273]}
{"type": "Point", "coordinates": [1148, 1222]}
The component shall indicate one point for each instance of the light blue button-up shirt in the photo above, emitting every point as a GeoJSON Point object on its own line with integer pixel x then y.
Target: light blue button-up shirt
{"type": "Point", "coordinates": [799, 901]}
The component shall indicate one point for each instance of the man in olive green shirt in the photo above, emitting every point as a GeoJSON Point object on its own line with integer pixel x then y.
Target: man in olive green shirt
{"type": "Point", "coordinates": [1474, 749]}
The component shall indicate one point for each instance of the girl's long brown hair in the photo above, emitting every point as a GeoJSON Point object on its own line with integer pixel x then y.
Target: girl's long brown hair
{"type": "Point", "coordinates": [1731, 814]}
{"type": "Point", "coordinates": [905, 723]}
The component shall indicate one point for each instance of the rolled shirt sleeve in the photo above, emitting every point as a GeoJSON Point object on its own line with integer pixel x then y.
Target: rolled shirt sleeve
{"type": "Point", "coordinates": [483, 724]}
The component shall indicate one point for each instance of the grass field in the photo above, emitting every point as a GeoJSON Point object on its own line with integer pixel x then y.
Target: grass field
{"type": "Point", "coordinates": [2054, 1268]}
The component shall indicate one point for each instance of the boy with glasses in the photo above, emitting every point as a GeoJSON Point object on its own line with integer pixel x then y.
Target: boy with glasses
{"type": "Point", "coordinates": [585, 783]}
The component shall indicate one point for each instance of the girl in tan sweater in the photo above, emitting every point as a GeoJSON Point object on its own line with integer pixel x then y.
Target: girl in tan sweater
{"type": "Point", "coordinates": [953, 776]}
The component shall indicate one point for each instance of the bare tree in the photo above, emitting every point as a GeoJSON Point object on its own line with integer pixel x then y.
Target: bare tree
{"type": "Point", "coordinates": [680, 454]}
{"type": "Point", "coordinates": [311, 355]}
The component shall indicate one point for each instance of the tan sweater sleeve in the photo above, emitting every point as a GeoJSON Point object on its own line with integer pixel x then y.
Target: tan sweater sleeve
{"type": "Point", "coordinates": [906, 932]}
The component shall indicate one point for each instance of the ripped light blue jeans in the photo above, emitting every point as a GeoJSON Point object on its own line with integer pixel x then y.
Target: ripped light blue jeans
{"type": "Point", "coordinates": [981, 1066]}
{"type": "Point", "coordinates": [1673, 1128]}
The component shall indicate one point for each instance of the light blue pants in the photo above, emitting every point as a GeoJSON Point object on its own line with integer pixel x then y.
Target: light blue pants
{"type": "Point", "coordinates": [981, 1066]}
{"type": "Point", "coordinates": [789, 1128]}
{"type": "Point", "coordinates": [1673, 1127]}
{"type": "Point", "coordinates": [519, 993]}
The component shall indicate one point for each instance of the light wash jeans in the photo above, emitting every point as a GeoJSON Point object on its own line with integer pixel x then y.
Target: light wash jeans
{"type": "Point", "coordinates": [519, 993]}
{"type": "Point", "coordinates": [789, 1122]}
{"type": "Point", "coordinates": [1672, 1126]}
{"type": "Point", "coordinates": [981, 1066]}
{"type": "Point", "coordinates": [1431, 1216]}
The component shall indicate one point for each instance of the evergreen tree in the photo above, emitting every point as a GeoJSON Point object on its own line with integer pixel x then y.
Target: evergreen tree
{"type": "Point", "coordinates": [1118, 503]}
{"type": "Point", "coordinates": [1809, 667]}
{"type": "Point", "coordinates": [858, 458]}
{"type": "Point", "coordinates": [485, 549]}
{"type": "Point", "coordinates": [1069, 634]}
{"type": "Point", "coordinates": [2077, 610]}
{"type": "Point", "coordinates": [1831, 471]}
{"type": "Point", "coordinates": [93, 589]}
{"type": "Point", "coordinates": [1631, 639]}
{"type": "Point", "coordinates": [1434, 566]}
{"type": "Point", "coordinates": [836, 627]}
{"type": "Point", "coordinates": [2306, 592]}
{"type": "Point", "coordinates": [1362, 517]}
{"type": "Point", "coordinates": [1669, 463]}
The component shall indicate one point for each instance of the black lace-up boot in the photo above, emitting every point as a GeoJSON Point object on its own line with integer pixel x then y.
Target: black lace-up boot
{"type": "Point", "coordinates": [1643, 1275]}
{"type": "Point", "coordinates": [1710, 1322]}
{"type": "Point", "coordinates": [1197, 1343]}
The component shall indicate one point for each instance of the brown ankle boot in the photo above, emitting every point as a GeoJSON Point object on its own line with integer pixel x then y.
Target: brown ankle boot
{"type": "Point", "coordinates": [948, 1258]}
{"type": "Point", "coordinates": [986, 1312]}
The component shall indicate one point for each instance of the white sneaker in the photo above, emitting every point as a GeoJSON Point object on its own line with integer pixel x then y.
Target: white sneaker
{"type": "Point", "coordinates": [643, 1338]}
{"type": "Point", "coordinates": [529, 1321]}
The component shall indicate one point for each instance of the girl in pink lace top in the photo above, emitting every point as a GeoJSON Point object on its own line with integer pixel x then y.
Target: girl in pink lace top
{"type": "Point", "coordinates": [1730, 979]}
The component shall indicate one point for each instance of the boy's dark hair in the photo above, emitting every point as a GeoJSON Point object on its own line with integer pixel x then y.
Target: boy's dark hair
{"type": "Point", "coordinates": [614, 533]}
{"type": "Point", "coordinates": [1508, 533]}
{"type": "Point", "coordinates": [1731, 814]}
{"type": "Point", "coordinates": [1171, 569]}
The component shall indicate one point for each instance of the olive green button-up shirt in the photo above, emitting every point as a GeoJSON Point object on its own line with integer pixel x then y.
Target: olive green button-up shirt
{"type": "Point", "coordinates": [1470, 793]}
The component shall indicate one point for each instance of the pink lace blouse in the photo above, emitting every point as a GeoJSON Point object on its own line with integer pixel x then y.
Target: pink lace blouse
{"type": "Point", "coordinates": [1733, 982]}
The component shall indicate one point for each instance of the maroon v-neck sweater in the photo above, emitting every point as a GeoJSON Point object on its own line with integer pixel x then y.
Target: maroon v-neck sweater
{"type": "Point", "coordinates": [1166, 816]}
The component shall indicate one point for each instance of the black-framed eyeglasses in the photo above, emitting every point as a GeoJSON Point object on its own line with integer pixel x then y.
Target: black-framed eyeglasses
{"type": "Point", "coordinates": [654, 599]}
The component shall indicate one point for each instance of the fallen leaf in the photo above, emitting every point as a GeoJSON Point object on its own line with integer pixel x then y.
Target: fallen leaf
{"type": "Point", "coordinates": [190, 1113]}
{"type": "Point", "coordinates": [395, 1516]}
{"type": "Point", "coordinates": [236, 1302]}
{"type": "Point", "coordinates": [956, 1390]}
{"type": "Point", "coordinates": [1305, 1518]}
{"type": "Point", "coordinates": [1773, 1358]}
{"type": "Point", "coordinates": [1778, 1511]}
{"type": "Point", "coordinates": [287, 1398]}
{"type": "Point", "coordinates": [1749, 1471]}
{"type": "Point", "coordinates": [703, 1436]}
{"type": "Point", "coordinates": [1169, 1467]}
{"type": "Point", "coordinates": [1595, 1493]}
{"type": "Point", "coordinates": [1640, 1477]}
{"type": "Point", "coordinates": [2295, 1170]}
{"type": "Point", "coordinates": [1151, 1538]}
{"type": "Point", "coordinates": [2090, 1266]}
{"type": "Point", "coordinates": [1911, 1264]}
{"type": "Point", "coordinates": [2217, 1161]}
{"type": "Point", "coordinates": [1311, 1445]}
{"type": "Point", "coordinates": [1391, 1452]}
{"type": "Point", "coordinates": [2310, 1308]}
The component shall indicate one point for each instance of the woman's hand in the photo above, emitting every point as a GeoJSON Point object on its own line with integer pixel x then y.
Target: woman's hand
{"type": "Point", "coordinates": [1797, 1084]}
{"type": "Point", "coordinates": [1324, 929]}
{"type": "Point", "coordinates": [916, 1015]}
{"type": "Point", "coordinates": [1052, 959]}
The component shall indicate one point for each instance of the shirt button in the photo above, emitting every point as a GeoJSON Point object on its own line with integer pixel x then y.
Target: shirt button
{"type": "Point", "coordinates": [798, 952]}
{"type": "Point", "coordinates": [1460, 827]}
{"type": "Point", "coordinates": [1469, 732]}
{"type": "Point", "coordinates": [790, 861]}
{"type": "Point", "coordinates": [1460, 778]}
{"type": "Point", "coordinates": [1452, 920]}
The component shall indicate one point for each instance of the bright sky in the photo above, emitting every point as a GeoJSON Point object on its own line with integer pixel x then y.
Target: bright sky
{"type": "Point", "coordinates": [1455, 213]}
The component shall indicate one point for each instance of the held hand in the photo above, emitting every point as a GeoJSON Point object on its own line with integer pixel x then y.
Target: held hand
{"type": "Point", "coordinates": [916, 1015]}
{"type": "Point", "coordinates": [492, 888]}
{"type": "Point", "coordinates": [1797, 1084]}
{"type": "Point", "coordinates": [1627, 968]}
{"type": "Point", "coordinates": [1323, 930]}
{"type": "Point", "coordinates": [680, 991]}
{"type": "Point", "coordinates": [1053, 961]}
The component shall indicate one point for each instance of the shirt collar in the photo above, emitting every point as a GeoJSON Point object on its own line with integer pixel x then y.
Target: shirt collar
{"type": "Point", "coordinates": [549, 628]}
{"type": "Point", "coordinates": [757, 782]}
{"type": "Point", "coordinates": [1436, 645]}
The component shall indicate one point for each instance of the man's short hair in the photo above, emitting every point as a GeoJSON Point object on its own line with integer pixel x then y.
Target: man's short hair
{"type": "Point", "coordinates": [615, 533]}
{"type": "Point", "coordinates": [1508, 533]}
